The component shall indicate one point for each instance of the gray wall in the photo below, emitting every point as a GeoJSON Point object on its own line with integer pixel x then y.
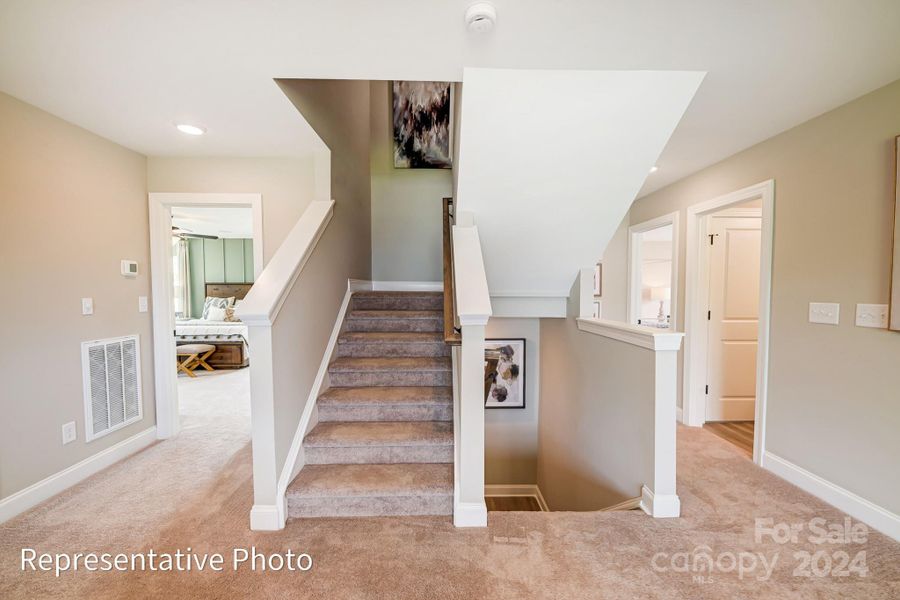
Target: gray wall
{"type": "Point", "coordinates": [833, 391]}
{"type": "Point", "coordinates": [89, 196]}
{"type": "Point", "coordinates": [406, 205]}
{"type": "Point", "coordinates": [511, 435]}
{"type": "Point", "coordinates": [594, 436]}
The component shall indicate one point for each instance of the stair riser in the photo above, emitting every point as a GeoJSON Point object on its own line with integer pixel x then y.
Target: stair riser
{"type": "Point", "coordinates": [390, 378]}
{"type": "Point", "coordinates": [319, 455]}
{"type": "Point", "coordinates": [385, 413]}
{"type": "Point", "coordinates": [362, 506]}
{"type": "Point", "coordinates": [390, 349]}
{"type": "Point", "coordinates": [396, 325]}
{"type": "Point", "coordinates": [394, 303]}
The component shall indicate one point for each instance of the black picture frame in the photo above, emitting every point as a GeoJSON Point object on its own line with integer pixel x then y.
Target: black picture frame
{"type": "Point", "coordinates": [490, 371]}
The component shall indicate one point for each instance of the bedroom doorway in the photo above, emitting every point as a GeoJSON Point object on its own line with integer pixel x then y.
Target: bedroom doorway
{"type": "Point", "coordinates": [728, 279]}
{"type": "Point", "coordinates": [206, 252]}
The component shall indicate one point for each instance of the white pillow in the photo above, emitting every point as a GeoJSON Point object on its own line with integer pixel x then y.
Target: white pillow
{"type": "Point", "coordinates": [215, 313]}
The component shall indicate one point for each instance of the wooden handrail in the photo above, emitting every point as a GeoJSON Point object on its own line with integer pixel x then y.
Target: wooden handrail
{"type": "Point", "coordinates": [451, 333]}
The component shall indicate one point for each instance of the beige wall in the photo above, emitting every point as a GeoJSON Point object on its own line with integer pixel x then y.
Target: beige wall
{"type": "Point", "coordinates": [615, 275]}
{"type": "Point", "coordinates": [510, 435]}
{"type": "Point", "coordinates": [595, 431]}
{"type": "Point", "coordinates": [287, 186]}
{"type": "Point", "coordinates": [832, 405]}
{"type": "Point", "coordinates": [73, 205]}
{"type": "Point", "coordinates": [338, 111]}
{"type": "Point", "coordinates": [406, 205]}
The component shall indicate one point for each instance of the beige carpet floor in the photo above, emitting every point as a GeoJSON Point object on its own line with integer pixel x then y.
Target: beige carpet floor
{"type": "Point", "coordinates": [195, 491]}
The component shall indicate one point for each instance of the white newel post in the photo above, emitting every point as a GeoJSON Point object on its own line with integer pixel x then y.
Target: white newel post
{"type": "Point", "coordinates": [470, 509]}
{"type": "Point", "coordinates": [663, 500]}
{"type": "Point", "coordinates": [473, 305]}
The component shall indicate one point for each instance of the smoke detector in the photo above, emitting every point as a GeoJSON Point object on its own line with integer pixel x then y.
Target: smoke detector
{"type": "Point", "coordinates": [481, 17]}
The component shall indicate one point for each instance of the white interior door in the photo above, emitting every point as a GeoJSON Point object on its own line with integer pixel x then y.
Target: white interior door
{"type": "Point", "coordinates": [733, 318]}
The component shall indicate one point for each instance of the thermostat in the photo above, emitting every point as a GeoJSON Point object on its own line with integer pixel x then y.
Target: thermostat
{"type": "Point", "coordinates": [129, 268]}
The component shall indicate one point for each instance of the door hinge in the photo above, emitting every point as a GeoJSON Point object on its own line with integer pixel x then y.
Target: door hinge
{"type": "Point", "coordinates": [707, 390]}
{"type": "Point", "coordinates": [711, 237]}
{"type": "Point", "coordinates": [709, 315]}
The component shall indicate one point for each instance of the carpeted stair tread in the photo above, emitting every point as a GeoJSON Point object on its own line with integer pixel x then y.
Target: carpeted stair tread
{"type": "Point", "coordinates": [407, 294]}
{"type": "Point", "coordinates": [417, 363]}
{"type": "Point", "coordinates": [380, 433]}
{"type": "Point", "coordinates": [384, 337]}
{"type": "Point", "coordinates": [342, 481]}
{"type": "Point", "coordinates": [380, 395]}
{"type": "Point", "coordinates": [396, 314]}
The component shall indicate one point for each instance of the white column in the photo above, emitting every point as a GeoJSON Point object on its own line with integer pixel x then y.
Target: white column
{"type": "Point", "coordinates": [469, 509]}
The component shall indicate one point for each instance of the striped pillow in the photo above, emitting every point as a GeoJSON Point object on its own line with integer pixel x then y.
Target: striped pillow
{"type": "Point", "coordinates": [218, 302]}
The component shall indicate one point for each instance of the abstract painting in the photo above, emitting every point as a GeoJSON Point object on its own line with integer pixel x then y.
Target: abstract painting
{"type": "Point", "coordinates": [504, 373]}
{"type": "Point", "coordinates": [421, 118]}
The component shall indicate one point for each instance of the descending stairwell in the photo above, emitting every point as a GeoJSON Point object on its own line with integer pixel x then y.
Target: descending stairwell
{"type": "Point", "coordinates": [384, 441]}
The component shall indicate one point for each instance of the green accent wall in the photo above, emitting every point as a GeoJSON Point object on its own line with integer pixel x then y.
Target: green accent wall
{"type": "Point", "coordinates": [217, 261]}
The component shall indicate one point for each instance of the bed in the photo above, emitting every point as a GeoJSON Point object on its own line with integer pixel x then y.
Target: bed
{"type": "Point", "coordinates": [229, 337]}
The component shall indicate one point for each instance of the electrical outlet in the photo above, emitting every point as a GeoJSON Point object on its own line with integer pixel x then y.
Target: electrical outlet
{"type": "Point", "coordinates": [142, 304]}
{"type": "Point", "coordinates": [69, 433]}
{"type": "Point", "coordinates": [87, 306]}
{"type": "Point", "coordinates": [827, 313]}
{"type": "Point", "coordinates": [872, 315]}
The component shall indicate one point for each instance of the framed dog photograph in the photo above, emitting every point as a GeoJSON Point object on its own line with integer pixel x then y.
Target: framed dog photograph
{"type": "Point", "coordinates": [504, 373]}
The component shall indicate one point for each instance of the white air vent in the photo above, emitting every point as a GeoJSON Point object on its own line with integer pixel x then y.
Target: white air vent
{"type": "Point", "coordinates": [111, 370]}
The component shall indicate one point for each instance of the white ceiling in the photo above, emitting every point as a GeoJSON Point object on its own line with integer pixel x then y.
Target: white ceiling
{"type": "Point", "coordinates": [128, 70]}
{"type": "Point", "coordinates": [220, 222]}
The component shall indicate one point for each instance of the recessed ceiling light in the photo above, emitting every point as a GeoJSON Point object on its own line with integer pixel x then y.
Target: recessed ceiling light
{"type": "Point", "coordinates": [654, 169]}
{"type": "Point", "coordinates": [190, 129]}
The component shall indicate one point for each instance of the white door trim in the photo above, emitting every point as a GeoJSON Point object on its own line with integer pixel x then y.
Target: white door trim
{"type": "Point", "coordinates": [165, 377]}
{"type": "Point", "coordinates": [633, 306]}
{"type": "Point", "coordinates": [694, 400]}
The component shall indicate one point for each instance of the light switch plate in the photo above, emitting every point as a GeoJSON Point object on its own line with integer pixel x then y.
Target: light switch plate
{"type": "Point", "coordinates": [872, 315]}
{"type": "Point", "coordinates": [828, 313]}
{"type": "Point", "coordinates": [87, 306]}
{"type": "Point", "coordinates": [142, 303]}
{"type": "Point", "coordinates": [69, 433]}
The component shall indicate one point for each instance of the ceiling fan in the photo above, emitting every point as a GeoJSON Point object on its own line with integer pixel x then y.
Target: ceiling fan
{"type": "Point", "coordinates": [187, 233]}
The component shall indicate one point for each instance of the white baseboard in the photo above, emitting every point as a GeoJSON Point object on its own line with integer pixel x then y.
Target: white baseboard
{"type": "Point", "coordinates": [266, 517]}
{"type": "Point", "coordinates": [469, 514]}
{"type": "Point", "coordinates": [407, 286]}
{"type": "Point", "coordinates": [876, 516]}
{"type": "Point", "coordinates": [679, 414]}
{"type": "Point", "coordinates": [508, 490]}
{"type": "Point", "coordinates": [630, 504]}
{"type": "Point", "coordinates": [58, 482]}
{"type": "Point", "coordinates": [308, 419]}
{"type": "Point", "coordinates": [660, 506]}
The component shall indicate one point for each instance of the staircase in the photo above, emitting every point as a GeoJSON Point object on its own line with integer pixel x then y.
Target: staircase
{"type": "Point", "coordinates": [384, 441]}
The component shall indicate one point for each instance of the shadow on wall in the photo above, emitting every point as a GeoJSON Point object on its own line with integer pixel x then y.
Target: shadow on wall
{"type": "Point", "coordinates": [594, 432]}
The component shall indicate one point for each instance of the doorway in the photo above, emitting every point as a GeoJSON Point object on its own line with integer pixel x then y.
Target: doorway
{"type": "Point", "coordinates": [653, 272]}
{"type": "Point", "coordinates": [727, 305]}
{"type": "Point", "coordinates": [181, 302]}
